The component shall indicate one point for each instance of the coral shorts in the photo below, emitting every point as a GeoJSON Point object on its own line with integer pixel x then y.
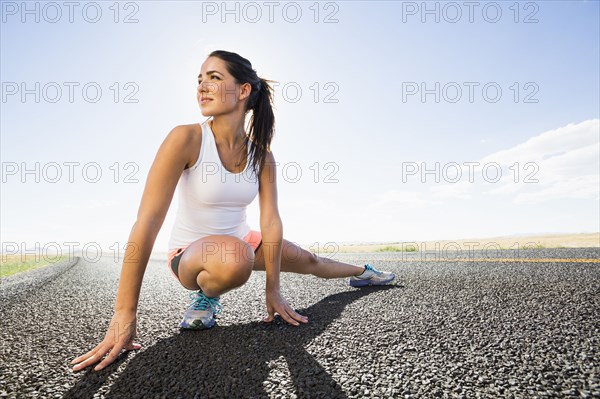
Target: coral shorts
{"type": "Point", "coordinates": [254, 238]}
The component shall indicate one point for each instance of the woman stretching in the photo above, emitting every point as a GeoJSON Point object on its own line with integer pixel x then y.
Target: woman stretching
{"type": "Point", "coordinates": [219, 169]}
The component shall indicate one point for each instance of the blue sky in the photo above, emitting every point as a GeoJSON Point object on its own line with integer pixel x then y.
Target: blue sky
{"type": "Point", "coordinates": [364, 131]}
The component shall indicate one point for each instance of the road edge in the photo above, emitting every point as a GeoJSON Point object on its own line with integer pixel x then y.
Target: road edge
{"type": "Point", "coordinates": [18, 283]}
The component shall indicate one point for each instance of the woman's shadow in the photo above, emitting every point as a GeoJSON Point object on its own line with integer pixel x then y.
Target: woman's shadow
{"type": "Point", "coordinates": [229, 361]}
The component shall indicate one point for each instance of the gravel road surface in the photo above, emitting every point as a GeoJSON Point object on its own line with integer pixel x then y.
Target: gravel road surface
{"type": "Point", "coordinates": [497, 327]}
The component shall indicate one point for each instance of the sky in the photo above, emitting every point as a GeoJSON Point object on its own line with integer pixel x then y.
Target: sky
{"type": "Point", "coordinates": [395, 121]}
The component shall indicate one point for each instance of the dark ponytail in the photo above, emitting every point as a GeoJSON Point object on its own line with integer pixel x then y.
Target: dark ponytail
{"type": "Point", "coordinates": [262, 122]}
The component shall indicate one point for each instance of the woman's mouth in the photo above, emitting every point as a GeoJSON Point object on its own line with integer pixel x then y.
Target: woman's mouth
{"type": "Point", "coordinates": [205, 100]}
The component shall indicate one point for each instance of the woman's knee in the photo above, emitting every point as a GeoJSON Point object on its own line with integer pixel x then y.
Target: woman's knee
{"type": "Point", "coordinates": [225, 258]}
{"type": "Point", "coordinates": [299, 260]}
{"type": "Point", "coordinates": [233, 273]}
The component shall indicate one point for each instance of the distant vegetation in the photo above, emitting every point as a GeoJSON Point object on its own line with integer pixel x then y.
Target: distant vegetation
{"type": "Point", "coordinates": [392, 248]}
{"type": "Point", "coordinates": [413, 248]}
{"type": "Point", "coordinates": [536, 246]}
{"type": "Point", "coordinates": [13, 264]}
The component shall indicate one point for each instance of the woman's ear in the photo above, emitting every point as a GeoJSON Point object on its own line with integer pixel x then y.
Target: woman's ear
{"type": "Point", "coordinates": [246, 90]}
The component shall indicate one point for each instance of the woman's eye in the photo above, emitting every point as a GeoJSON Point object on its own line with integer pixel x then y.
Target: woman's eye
{"type": "Point", "coordinates": [199, 81]}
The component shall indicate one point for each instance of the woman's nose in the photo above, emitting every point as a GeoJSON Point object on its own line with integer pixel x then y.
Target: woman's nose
{"type": "Point", "coordinates": [206, 87]}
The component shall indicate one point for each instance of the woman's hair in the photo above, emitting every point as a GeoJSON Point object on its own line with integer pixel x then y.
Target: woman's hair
{"type": "Point", "coordinates": [262, 122]}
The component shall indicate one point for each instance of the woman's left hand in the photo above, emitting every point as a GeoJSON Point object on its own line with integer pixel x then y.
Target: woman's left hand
{"type": "Point", "coordinates": [276, 303]}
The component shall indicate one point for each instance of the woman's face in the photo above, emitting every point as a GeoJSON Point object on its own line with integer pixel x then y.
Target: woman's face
{"type": "Point", "coordinates": [217, 91]}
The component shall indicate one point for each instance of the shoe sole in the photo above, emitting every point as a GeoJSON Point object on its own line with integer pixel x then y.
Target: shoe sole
{"type": "Point", "coordinates": [364, 283]}
{"type": "Point", "coordinates": [198, 326]}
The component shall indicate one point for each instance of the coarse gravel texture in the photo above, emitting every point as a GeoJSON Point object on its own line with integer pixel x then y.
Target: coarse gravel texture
{"type": "Point", "coordinates": [444, 329]}
{"type": "Point", "coordinates": [19, 283]}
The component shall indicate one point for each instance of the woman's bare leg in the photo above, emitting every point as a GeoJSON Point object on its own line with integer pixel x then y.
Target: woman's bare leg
{"type": "Point", "coordinates": [216, 264]}
{"type": "Point", "coordinates": [295, 259]}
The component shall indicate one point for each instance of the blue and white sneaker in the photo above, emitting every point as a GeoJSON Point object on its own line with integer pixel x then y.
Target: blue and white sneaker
{"type": "Point", "coordinates": [201, 313]}
{"type": "Point", "coordinates": [371, 276]}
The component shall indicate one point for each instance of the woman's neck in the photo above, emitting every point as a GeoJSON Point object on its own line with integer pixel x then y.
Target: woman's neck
{"type": "Point", "coordinates": [229, 132]}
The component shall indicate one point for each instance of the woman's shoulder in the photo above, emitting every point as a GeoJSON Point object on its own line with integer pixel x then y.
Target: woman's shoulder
{"type": "Point", "coordinates": [193, 133]}
{"type": "Point", "coordinates": [187, 134]}
{"type": "Point", "coordinates": [187, 130]}
{"type": "Point", "coordinates": [189, 139]}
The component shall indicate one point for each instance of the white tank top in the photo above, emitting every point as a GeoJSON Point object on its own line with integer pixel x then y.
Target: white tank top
{"type": "Point", "coordinates": [212, 200]}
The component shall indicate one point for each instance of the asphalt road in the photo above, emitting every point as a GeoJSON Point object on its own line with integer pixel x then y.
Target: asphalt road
{"type": "Point", "coordinates": [470, 328]}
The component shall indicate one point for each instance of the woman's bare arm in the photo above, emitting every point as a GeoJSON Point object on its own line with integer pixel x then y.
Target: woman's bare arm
{"type": "Point", "coordinates": [162, 179]}
{"type": "Point", "coordinates": [169, 163]}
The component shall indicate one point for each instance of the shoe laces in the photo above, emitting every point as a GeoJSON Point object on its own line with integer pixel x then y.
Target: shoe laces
{"type": "Point", "coordinates": [371, 268]}
{"type": "Point", "coordinates": [202, 302]}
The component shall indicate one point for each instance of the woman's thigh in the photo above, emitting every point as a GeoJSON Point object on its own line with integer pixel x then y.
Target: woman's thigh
{"type": "Point", "coordinates": [294, 259]}
{"type": "Point", "coordinates": [224, 257]}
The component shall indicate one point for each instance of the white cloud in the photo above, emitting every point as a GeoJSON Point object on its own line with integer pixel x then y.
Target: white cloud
{"type": "Point", "coordinates": [576, 188]}
{"type": "Point", "coordinates": [398, 200]}
{"type": "Point", "coordinates": [561, 140]}
{"type": "Point", "coordinates": [563, 163]}
{"type": "Point", "coordinates": [452, 190]}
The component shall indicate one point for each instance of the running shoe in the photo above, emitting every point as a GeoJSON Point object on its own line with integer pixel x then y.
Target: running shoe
{"type": "Point", "coordinates": [201, 313]}
{"type": "Point", "coordinates": [371, 276]}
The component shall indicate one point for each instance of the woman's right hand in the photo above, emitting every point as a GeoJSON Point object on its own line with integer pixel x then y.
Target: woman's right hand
{"type": "Point", "coordinates": [121, 332]}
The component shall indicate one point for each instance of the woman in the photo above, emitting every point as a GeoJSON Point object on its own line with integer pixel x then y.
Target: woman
{"type": "Point", "coordinates": [219, 169]}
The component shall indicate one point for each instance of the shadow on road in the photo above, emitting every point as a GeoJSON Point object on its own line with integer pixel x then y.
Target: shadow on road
{"type": "Point", "coordinates": [228, 361]}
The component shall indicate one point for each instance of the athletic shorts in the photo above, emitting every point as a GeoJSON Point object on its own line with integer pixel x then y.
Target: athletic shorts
{"type": "Point", "coordinates": [254, 238]}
